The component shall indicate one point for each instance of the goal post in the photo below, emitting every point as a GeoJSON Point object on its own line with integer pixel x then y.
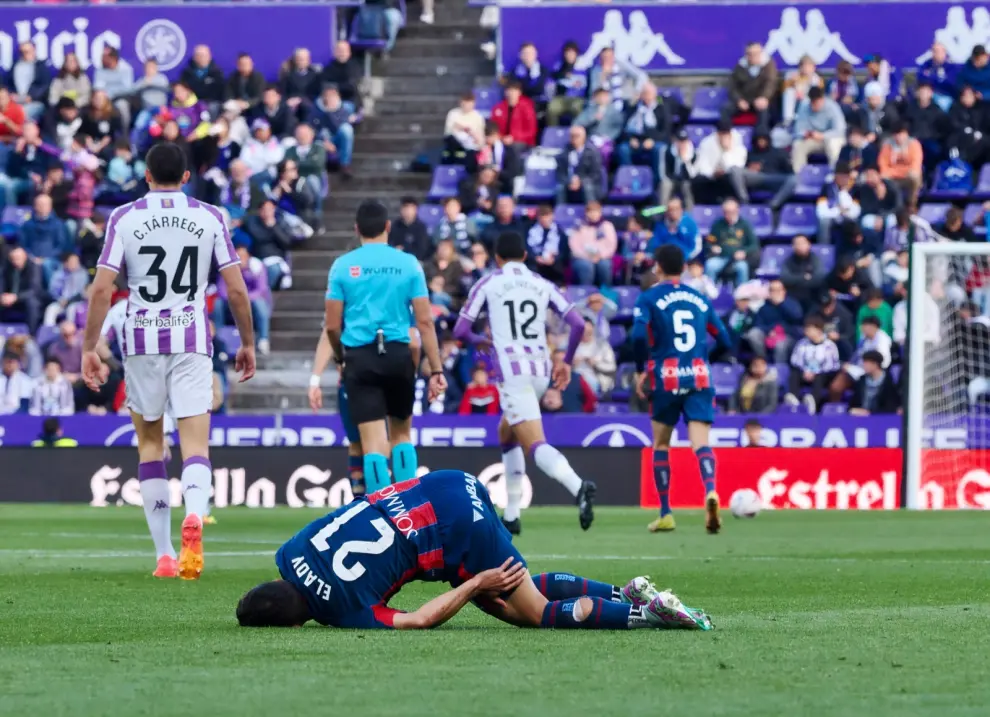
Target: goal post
{"type": "Point", "coordinates": [941, 355]}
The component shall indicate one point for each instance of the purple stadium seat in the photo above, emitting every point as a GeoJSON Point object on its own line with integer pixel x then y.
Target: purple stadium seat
{"type": "Point", "coordinates": [555, 138]}
{"type": "Point", "coordinates": [430, 215]}
{"type": "Point", "coordinates": [698, 132]}
{"type": "Point", "coordinates": [725, 378]}
{"type": "Point", "coordinates": [948, 177]}
{"type": "Point", "coordinates": [974, 218]}
{"type": "Point", "coordinates": [810, 181]}
{"type": "Point", "coordinates": [982, 189]}
{"type": "Point", "coordinates": [626, 297]}
{"type": "Point", "coordinates": [933, 213]}
{"type": "Point", "coordinates": [746, 134]}
{"type": "Point", "coordinates": [613, 409]}
{"type": "Point", "coordinates": [8, 330]}
{"type": "Point", "coordinates": [46, 334]}
{"type": "Point", "coordinates": [575, 294]}
{"type": "Point", "coordinates": [540, 185]}
{"type": "Point", "coordinates": [708, 102]}
{"type": "Point", "coordinates": [671, 93]}
{"type": "Point", "coordinates": [633, 184]}
{"type": "Point", "coordinates": [620, 211]}
{"type": "Point", "coordinates": [623, 382]}
{"type": "Point", "coordinates": [724, 302]}
{"type": "Point", "coordinates": [446, 177]}
{"type": "Point", "coordinates": [797, 219]}
{"type": "Point", "coordinates": [231, 338]}
{"type": "Point", "coordinates": [772, 259]}
{"type": "Point", "coordinates": [616, 336]}
{"type": "Point", "coordinates": [16, 215]}
{"type": "Point", "coordinates": [760, 216]}
{"type": "Point", "coordinates": [834, 409]}
{"type": "Point", "coordinates": [704, 217]}
{"type": "Point", "coordinates": [485, 99]}
{"type": "Point", "coordinates": [362, 43]}
{"type": "Point", "coordinates": [568, 216]}
{"type": "Point", "coordinates": [826, 253]}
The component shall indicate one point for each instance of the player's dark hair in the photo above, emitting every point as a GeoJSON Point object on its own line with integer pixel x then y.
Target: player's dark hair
{"type": "Point", "coordinates": [372, 218]}
{"type": "Point", "coordinates": [510, 246]}
{"type": "Point", "coordinates": [274, 604]}
{"type": "Point", "coordinates": [670, 259]}
{"type": "Point", "coordinates": [167, 163]}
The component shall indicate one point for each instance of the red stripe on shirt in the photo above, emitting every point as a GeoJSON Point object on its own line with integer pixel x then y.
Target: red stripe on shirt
{"type": "Point", "coordinates": [700, 370]}
{"type": "Point", "coordinates": [422, 516]}
{"type": "Point", "coordinates": [669, 374]}
{"type": "Point", "coordinates": [385, 614]}
{"type": "Point", "coordinates": [432, 560]}
{"type": "Point", "coordinates": [712, 331]}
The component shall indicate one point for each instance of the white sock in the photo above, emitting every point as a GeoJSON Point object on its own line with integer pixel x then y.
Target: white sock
{"type": "Point", "coordinates": [514, 462]}
{"type": "Point", "coordinates": [552, 462]}
{"type": "Point", "coordinates": [197, 479]}
{"type": "Point", "coordinates": [157, 508]}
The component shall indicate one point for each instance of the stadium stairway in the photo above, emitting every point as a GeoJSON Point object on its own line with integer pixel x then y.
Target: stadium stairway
{"type": "Point", "coordinates": [412, 91]}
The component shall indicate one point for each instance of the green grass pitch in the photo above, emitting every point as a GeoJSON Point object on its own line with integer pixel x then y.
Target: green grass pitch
{"type": "Point", "coordinates": [858, 614]}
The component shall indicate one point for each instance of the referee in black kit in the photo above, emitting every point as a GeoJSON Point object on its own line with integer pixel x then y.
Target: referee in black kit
{"type": "Point", "coordinates": [369, 295]}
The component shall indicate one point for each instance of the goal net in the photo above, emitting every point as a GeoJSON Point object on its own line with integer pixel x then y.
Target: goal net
{"type": "Point", "coordinates": [947, 356]}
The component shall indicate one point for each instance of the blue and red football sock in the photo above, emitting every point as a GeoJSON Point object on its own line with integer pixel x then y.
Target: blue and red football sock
{"type": "Point", "coordinates": [706, 462]}
{"type": "Point", "coordinates": [661, 476]}
{"type": "Point", "coordinates": [561, 586]}
{"type": "Point", "coordinates": [604, 615]}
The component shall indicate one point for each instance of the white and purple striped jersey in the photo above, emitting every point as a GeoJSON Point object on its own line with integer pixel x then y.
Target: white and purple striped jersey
{"type": "Point", "coordinates": [167, 241]}
{"type": "Point", "coordinates": [52, 398]}
{"type": "Point", "coordinates": [517, 302]}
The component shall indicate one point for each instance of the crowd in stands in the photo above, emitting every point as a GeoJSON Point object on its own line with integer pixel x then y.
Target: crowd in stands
{"type": "Point", "coordinates": [71, 149]}
{"type": "Point", "coordinates": [794, 196]}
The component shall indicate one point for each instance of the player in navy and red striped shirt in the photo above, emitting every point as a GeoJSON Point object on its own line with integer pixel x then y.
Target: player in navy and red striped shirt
{"type": "Point", "coordinates": [670, 346]}
{"type": "Point", "coordinates": [342, 569]}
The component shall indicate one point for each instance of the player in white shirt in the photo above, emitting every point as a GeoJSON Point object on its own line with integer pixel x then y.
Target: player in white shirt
{"type": "Point", "coordinates": [167, 241]}
{"type": "Point", "coordinates": [517, 301]}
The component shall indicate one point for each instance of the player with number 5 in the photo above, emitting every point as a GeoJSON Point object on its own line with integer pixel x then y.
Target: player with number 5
{"type": "Point", "coordinates": [671, 327]}
{"type": "Point", "coordinates": [167, 242]}
{"type": "Point", "coordinates": [517, 301]}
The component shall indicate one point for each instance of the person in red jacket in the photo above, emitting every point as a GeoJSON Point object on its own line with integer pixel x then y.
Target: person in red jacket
{"type": "Point", "coordinates": [480, 397]}
{"type": "Point", "coordinates": [516, 117]}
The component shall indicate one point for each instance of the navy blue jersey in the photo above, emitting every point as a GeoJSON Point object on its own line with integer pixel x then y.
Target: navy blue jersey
{"type": "Point", "coordinates": [670, 337]}
{"type": "Point", "coordinates": [348, 564]}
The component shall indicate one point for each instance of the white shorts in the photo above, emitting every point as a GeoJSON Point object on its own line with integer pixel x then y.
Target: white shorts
{"type": "Point", "coordinates": [177, 384]}
{"type": "Point", "coordinates": [520, 398]}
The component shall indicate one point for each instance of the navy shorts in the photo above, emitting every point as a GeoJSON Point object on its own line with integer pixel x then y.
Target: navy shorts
{"type": "Point", "coordinates": [343, 405]}
{"type": "Point", "coordinates": [693, 406]}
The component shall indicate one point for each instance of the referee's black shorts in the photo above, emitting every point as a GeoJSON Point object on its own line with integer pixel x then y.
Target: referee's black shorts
{"type": "Point", "coordinates": [379, 385]}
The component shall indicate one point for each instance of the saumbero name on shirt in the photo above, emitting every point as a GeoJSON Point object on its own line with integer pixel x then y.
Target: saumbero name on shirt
{"type": "Point", "coordinates": [183, 319]}
{"type": "Point", "coordinates": [700, 369]}
{"type": "Point", "coordinates": [676, 296]}
{"type": "Point", "coordinates": [168, 221]}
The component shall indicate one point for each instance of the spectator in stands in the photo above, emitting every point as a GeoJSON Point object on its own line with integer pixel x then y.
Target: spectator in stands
{"type": "Point", "coordinates": [879, 70]}
{"type": "Point", "coordinates": [976, 73]}
{"type": "Point", "coordinates": [814, 362]}
{"type": "Point", "coordinates": [21, 289]}
{"type": "Point", "coordinates": [865, 249]}
{"type": "Point", "coordinates": [445, 263]}
{"type": "Point", "coordinates": [279, 115]}
{"type": "Point", "coordinates": [929, 124]}
{"type": "Point", "coordinates": [576, 397]}
{"type": "Point", "coordinates": [594, 360]}
{"type": "Point", "coordinates": [91, 241]}
{"type": "Point", "coordinates": [719, 155]}
{"type": "Point", "coordinates": [455, 225]}
{"type": "Point", "coordinates": [256, 278]}
{"type": "Point", "coordinates": [67, 350]}
{"type": "Point", "coordinates": [245, 84]}
{"type": "Point", "coordinates": [938, 73]}
{"type": "Point", "coordinates": [875, 391]}
{"type": "Point", "coordinates": [271, 240]}
{"type": "Point", "coordinates": [52, 395]}
{"type": "Point", "coordinates": [680, 167]}
{"type": "Point", "coordinates": [599, 310]}
{"type": "Point", "coordinates": [733, 247]}
{"type": "Point", "coordinates": [44, 236]}
{"type": "Point", "coordinates": [299, 81]}
{"type": "Point", "coordinates": [647, 132]}
{"type": "Point", "coordinates": [505, 221]}
{"type": "Point", "coordinates": [593, 244]}
{"type": "Point", "coordinates": [151, 89]}
{"type": "Point", "coordinates": [333, 122]}
{"type": "Point", "coordinates": [777, 325]}
{"type": "Point", "coordinates": [858, 152]}
{"type": "Point", "coordinates": [63, 124]}
{"type": "Point", "coordinates": [27, 165]}
{"type": "Point", "coordinates": [478, 193]}
{"type": "Point", "coordinates": [797, 84]}
{"type": "Point", "coordinates": [310, 157]}
{"type": "Point", "coordinates": [70, 83]}
{"type": "Point", "coordinates": [846, 281]}
{"type": "Point", "coordinates": [464, 133]}
{"type": "Point", "coordinates": [543, 245]}
{"type": "Point", "coordinates": [695, 277]}
{"type": "Point", "coordinates": [479, 264]}
{"type": "Point", "coordinates": [570, 86]}
{"type": "Point", "coordinates": [58, 188]}
{"type": "Point", "coordinates": [969, 125]}
{"type": "Point", "coordinates": [896, 271]}
{"type": "Point", "coordinates": [677, 227]}
{"type": "Point", "coordinates": [262, 152]}
{"type": "Point", "coordinates": [84, 166]}
{"type": "Point", "coordinates": [515, 116]}
{"type": "Point", "coordinates": [115, 76]}
{"type": "Point", "coordinates": [503, 157]}
{"type": "Point", "coordinates": [240, 194]}
{"type": "Point", "coordinates": [837, 204]}
{"type": "Point", "coordinates": [802, 273]}
{"type": "Point", "coordinates": [767, 167]}
{"type": "Point", "coordinates": [969, 329]}
{"type": "Point", "coordinates": [12, 117]}
{"type": "Point", "coordinates": [579, 171]}
{"type": "Point", "coordinates": [601, 118]}
{"type": "Point", "coordinates": [15, 385]}
{"type": "Point", "coordinates": [879, 201]}
{"type": "Point", "coordinates": [29, 80]}
{"type": "Point", "coordinates": [741, 319]}
{"type": "Point", "coordinates": [190, 114]}
{"type": "Point", "coordinates": [342, 73]}
{"type": "Point", "coordinates": [900, 161]}
{"type": "Point", "coordinates": [955, 229]}
{"type": "Point", "coordinates": [101, 124]}
{"type": "Point", "coordinates": [66, 288]}
{"type": "Point", "coordinates": [409, 233]}
{"type": "Point", "coordinates": [871, 338]}
{"type": "Point", "coordinates": [530, 74]}
{"type": "Point", "coordinates": [840, 326]}
{"type": "Point", "coordinates": [874, 305]}
{"type": "Point", "coordinates": [752, 85]}
{"type": "Point", "coordinates": [843, 89]}
{"type": "Point", "coordinates": [758, 390]}
{"type": "Point", "coordinates": [293, 195]}
{"type": "Point", "coordinates": [622, 80]}
{"type": "Point", "coordinates": [205, 78]}
{"type": "Point", "coordinates": [818, 127]}
{"type": "Point", "coordinates": [480, 396]}
{"type": "Point", "coordinates": [876, 115]}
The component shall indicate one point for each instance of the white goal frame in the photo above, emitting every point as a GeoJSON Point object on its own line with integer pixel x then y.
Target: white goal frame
{"type": "Point", "coordinates": [915, 400]}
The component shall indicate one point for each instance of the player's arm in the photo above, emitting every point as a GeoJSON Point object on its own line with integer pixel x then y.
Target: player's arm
{"type": "Point", "coordinates": [723, 341]}
{"type": "Point", "coordinates": [95, 372]}
{"type": "Point", "coordinates": [469, 314]}
{"type": "Point", "coordinates": [333, 316]}
{"type": "Point", "coordinates": [321, 359]}
{"type": "Point", "coordinates": [419, 299]}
